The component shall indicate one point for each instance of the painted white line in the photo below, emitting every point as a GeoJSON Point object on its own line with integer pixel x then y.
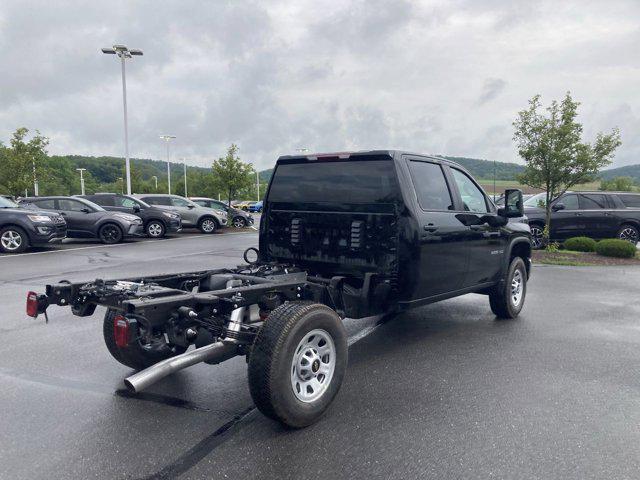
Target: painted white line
{"type": "Point", "coordinates": [120, 244]}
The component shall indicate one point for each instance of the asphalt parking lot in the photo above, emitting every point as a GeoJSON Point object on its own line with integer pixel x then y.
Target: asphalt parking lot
{"type": "Point", "coordinates": [445, 391]}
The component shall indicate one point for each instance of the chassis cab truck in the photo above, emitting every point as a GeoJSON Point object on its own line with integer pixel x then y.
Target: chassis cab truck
{"type": "Point", "coordinates": [343, 235]}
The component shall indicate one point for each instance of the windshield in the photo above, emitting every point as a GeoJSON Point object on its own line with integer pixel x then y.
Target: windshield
{"type": "Point", "coordinates": [538, 200]}
{"type": "Point", "coordinates": [6, 203]}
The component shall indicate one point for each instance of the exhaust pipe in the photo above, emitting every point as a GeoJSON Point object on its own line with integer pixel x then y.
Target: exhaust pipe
{"type": "Point", "coordinates": [215, 353]}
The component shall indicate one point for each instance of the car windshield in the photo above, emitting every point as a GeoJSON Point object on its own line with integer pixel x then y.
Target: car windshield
{"type": "Point", "coordinates": [538, 200]}
{"type": "Point", "coordinates": [7, 203]}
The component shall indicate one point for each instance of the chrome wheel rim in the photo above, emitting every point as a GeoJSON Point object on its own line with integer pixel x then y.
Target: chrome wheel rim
{"type": "Point", "coordinates": [517, 288]}
{"type": "Point", "coordinates": [238, 222]}
{"type": "Point", "coordinates": [313, 365]}
{"type": "Point", "coordinates": [536, 237]}
{"type": "Point", "coordinates": [11, 240]}
{"type": "Point", "coordinates": [629, 234]}
{"type": "Point", "coordinates": [154, 229]}
{"type": "Point", "coordinates": [208, 226]}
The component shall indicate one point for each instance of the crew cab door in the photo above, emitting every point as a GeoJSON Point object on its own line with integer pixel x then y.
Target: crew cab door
{"type": "Point", "coordinates": [484, 243]}
{"type": "Point", "coordinates": [443, 255]}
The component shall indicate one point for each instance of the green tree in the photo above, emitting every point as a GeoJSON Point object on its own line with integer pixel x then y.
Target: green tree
{"type": "Point", "coordinates": [555, 156]}
{"type": "Point", "coordinates": [232, 174]}
{"type": "Point", "coordinates": [617, 184]}
{"type": "Point", "coordinates": [19, 161]}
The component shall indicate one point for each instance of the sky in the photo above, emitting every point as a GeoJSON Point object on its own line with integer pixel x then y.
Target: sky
{"type": "Point", "coordinates": [432, 76]}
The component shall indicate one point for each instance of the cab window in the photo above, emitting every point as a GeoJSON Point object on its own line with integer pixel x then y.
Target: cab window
{"type": "Point", "coordinates": [45, 204]}
{"type": "Point", "coordinates": [570, 202]}
{"type": "Point", "coordinates": [431, 187]}
{"type": "Point", "coordinates": [473, 199]}
{"type": "Point", "coordinates": [157, 200]}
{"type": "Point", "coordinates": [71, 205]}
{"type": "Point", "coordinates": [126, 202]}
{"type": "Point", "coordinates": [180, 202]}
{"type": "Point", "coordinates": [104, 200]}
{"type": "Point", "coordinates": [592, 201]}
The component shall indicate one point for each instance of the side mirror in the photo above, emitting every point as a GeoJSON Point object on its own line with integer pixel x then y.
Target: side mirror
{"type": "Point", "coordinates": [558, 206]}
{"type": "Point", "coordinates": [513, 204]}
{"type": "Point", "coordinates": [86, 210]}
{"type": "Point", "coordinates": [191, 207]}
{"type": "Point", "coordinates": [136, 208]}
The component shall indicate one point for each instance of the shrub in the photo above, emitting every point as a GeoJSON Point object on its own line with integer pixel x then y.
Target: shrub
{"type": "Point", "coordinates": [580, 244]}
{"type": "Point", "coordinates": [616, 248]}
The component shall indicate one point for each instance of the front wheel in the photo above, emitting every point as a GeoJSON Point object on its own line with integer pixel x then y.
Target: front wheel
{"type": "Point", "coordinates": [110, 233]}
{"type": "Point", "coordinates": [13, 240]}
{"type": "Point", "coordinates": [629, 233]}
{"type": "Point", "coordinates": [507, 299]}
{"type": "Point", "coordinates": [145, 350]}
{"type": "Point", "coordinates": [207, 225]}
{"type": "Point", "coordinates": [239, 222]}
{"type": "Point", "coordinates": [155, 229]}
{"type": "Point", "coordinates": [537, 236]}
{"type": "Point", "coordinates": [297, 363]}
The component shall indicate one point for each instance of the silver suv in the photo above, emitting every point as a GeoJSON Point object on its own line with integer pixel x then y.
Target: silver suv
{"type": "Point", "coordinates": [192, 214]}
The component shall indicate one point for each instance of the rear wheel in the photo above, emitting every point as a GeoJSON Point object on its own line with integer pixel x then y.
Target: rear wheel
{"type": "Point", "coordinates": [239, 222]}
{"type": "Point", "coordinates": [507, 299]}
{"type": "Point", "coordinates": [297, 363]}
{"type": "Point", "coordinates": [207, 225]}
{"type": "Point", "coordinates": [629, 233]}
{"type": "Point", "coordinates": [537, 236]}
{"type": "Point", "coordinates": [155, 229]}
{"type": "Point", "coordinates": [13, 240]}
{"type": "Point", "coordinates": [110, 233]}
{"type": "Point", "coordinates": [143, 352]}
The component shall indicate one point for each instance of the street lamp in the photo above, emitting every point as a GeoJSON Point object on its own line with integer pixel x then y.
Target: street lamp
{"type": "Point", "coordinates": [302, 150]}
{"type": "Point", "coordinates": [156, 180]}
{"type": "Point", "coordinates": [81, 179]}
{"type": "Point", "coordinates": [124, 52]}
{"type": "Point", "coordinates": [258, 184]}
{"type": "Point", "coordinates": [121, 182]}
{"type": "Point", "coordinates": [167, 139]}
{"type": "Point", "coordinates": [184, 164]}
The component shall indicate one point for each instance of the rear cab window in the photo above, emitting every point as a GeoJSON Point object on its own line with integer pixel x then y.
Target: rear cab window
{"type": "Point", "coordinates": [591, 201]}
{"type": "Point", "coordinates": [430, 186]}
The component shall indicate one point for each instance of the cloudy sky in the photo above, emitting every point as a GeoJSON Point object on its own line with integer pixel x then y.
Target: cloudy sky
{"type": "Point", "coordinates": [443, 77]}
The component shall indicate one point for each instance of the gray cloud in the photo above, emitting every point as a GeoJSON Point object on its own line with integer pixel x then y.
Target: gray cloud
{"type": "Point", "coordinates": [431, 76]}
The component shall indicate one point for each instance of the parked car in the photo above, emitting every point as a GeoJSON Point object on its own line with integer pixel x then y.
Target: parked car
{"type": "Point", "coordinates": [244, 205]}
{"type": "Point", "coordinates": [256, 207]}
{"type": "Point", "coordinates": [156, 221]}
{"type": "Point", "coordinates": [85, 219]}
{"type": "Point", "coordinates": [237, 217]}
{"type": "Point", "coordinates": [207, 220]}
{"type": "Point", "coordinates": [346, 235]}
{"type": "Point", "coordinates": [590, 214]}
{"type": "Point", "coordinates": [21, 228]}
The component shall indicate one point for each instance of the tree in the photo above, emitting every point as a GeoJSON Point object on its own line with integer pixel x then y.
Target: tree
{"type": "Point", "coordinates": [617, 184]}
{"type": "Point", "coordinates": [555, 156]}
{"type": "Point", "coordinates": [231, 174]}
{"type": "Point", "coordinates": [19, 161]}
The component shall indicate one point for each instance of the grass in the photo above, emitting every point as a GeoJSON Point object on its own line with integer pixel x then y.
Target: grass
{"type": "Point", "coordinates": [579, 259]}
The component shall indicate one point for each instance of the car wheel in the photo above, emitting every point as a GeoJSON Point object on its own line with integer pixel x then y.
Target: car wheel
{"type": "Point", "coordinates": [239, 222]}
{"type": "Point", "coordinates": [13, 240]}
{"type": "Point", "coordinates": [155, 229]}
{"type": "Point", "coordinates": [629, 233]}
{"type": "Point", "coordinates": [207, 225]}
{"type": "Point", "coordinates": [507, 299]}
{"type": "Point", "coordinates": [537, 236]}
{"type": "Point", "coordinates": [140, 353]}
{"type": "Point", "coordinates": [110, 233]}
{"type": "Point", "coordinates": [297, 363]}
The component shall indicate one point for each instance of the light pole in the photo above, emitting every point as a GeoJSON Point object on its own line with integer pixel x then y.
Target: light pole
{"type": "Point", "coordinates": [81, 179]}
{"type": "Point", "coordinates": [156, 180]}
{"type": "Point", "coordinates": [302, 150]}
{"type": "Point", "coordinates": [184, 164]}
{"type": "Point", "coordinates": [258, 184]}
{"type": "Point", "coordinates": [35, 179]}
{"type": "Point", "coordinates": [124, 52]}
{"type": "Point", "coordinates": [167, 139]}
{"type": "Point", "coordinates": [121, 182]}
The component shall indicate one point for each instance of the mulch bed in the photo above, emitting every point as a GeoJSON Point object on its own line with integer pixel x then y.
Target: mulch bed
{"type": "Point", "coordinates": [579, 259]}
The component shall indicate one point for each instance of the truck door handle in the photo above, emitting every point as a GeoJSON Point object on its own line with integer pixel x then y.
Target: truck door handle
{"type": "Point", "coordinates": [430, 228]}
{"type": "Point", "coordinates": [578, 214]}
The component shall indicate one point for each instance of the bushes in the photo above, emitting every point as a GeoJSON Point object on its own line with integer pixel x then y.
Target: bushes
{"type": "Point", "coordinates": [616, 248]}
{"type": "Point", "coordinates": [580, 244]}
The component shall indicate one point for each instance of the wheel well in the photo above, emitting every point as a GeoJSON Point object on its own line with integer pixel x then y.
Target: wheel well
{"type": "Point", "coordinates": [211, 217]}
{"type": "Point", "coordinates": [154, 220]}
{"type": "Point", "coordinates": [19, 227]}
{"type": "Point", "coordinates": [631, 223]}
{"type": "Point", "coordinates": [522, 250]}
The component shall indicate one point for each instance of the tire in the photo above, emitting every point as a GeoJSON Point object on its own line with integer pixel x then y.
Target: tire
{"type": "Point", "coordinates": [629, 233]}
{"type": "Point", "coordinates": [208, 225]}
{"type": "Point", "coordinates": [299, 347]}
{"type": "Point", "coordinates": [13, 239]}
{"type": "Point", "coordinates": [239, 222]}
{"type": "Point", "coordinates": [136, 355]}
{"type": "Point", "coordinates": [155, 229]}
{"type": "Point", "coordinates": [110, 233]}
{"type": "Point", "coordinates": [503, 299]}
{"type": "Point", "coordinates": [537, 232]}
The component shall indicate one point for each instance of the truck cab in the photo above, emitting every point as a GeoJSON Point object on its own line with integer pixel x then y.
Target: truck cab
{"type": "Point", "coordinates": [411, 227]}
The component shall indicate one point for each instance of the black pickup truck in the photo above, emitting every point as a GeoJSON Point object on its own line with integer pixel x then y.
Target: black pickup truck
{"type": "Point", "coordinates": [342, 235]}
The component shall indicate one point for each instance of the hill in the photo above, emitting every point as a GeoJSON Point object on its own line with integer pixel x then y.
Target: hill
{"type": "Point", "coordinates": [632, 171]}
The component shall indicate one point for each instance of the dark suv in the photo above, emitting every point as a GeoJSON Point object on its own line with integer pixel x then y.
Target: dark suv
{"type": "Point", "coordinates": [157, 222]}
{"type": "Point", "coordinates": [20, 228]}
{"type": "Point", "coordinates": [85, 219]}
{"type": "Point", "coordinates": [589, 214]}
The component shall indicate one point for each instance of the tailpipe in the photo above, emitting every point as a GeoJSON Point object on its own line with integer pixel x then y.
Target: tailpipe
{"type": "Point", "coordinates": [213, 353]}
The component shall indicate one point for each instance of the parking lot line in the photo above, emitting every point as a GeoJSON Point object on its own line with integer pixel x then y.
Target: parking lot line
{"type": "Point", "coordinates": [118, 245]}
